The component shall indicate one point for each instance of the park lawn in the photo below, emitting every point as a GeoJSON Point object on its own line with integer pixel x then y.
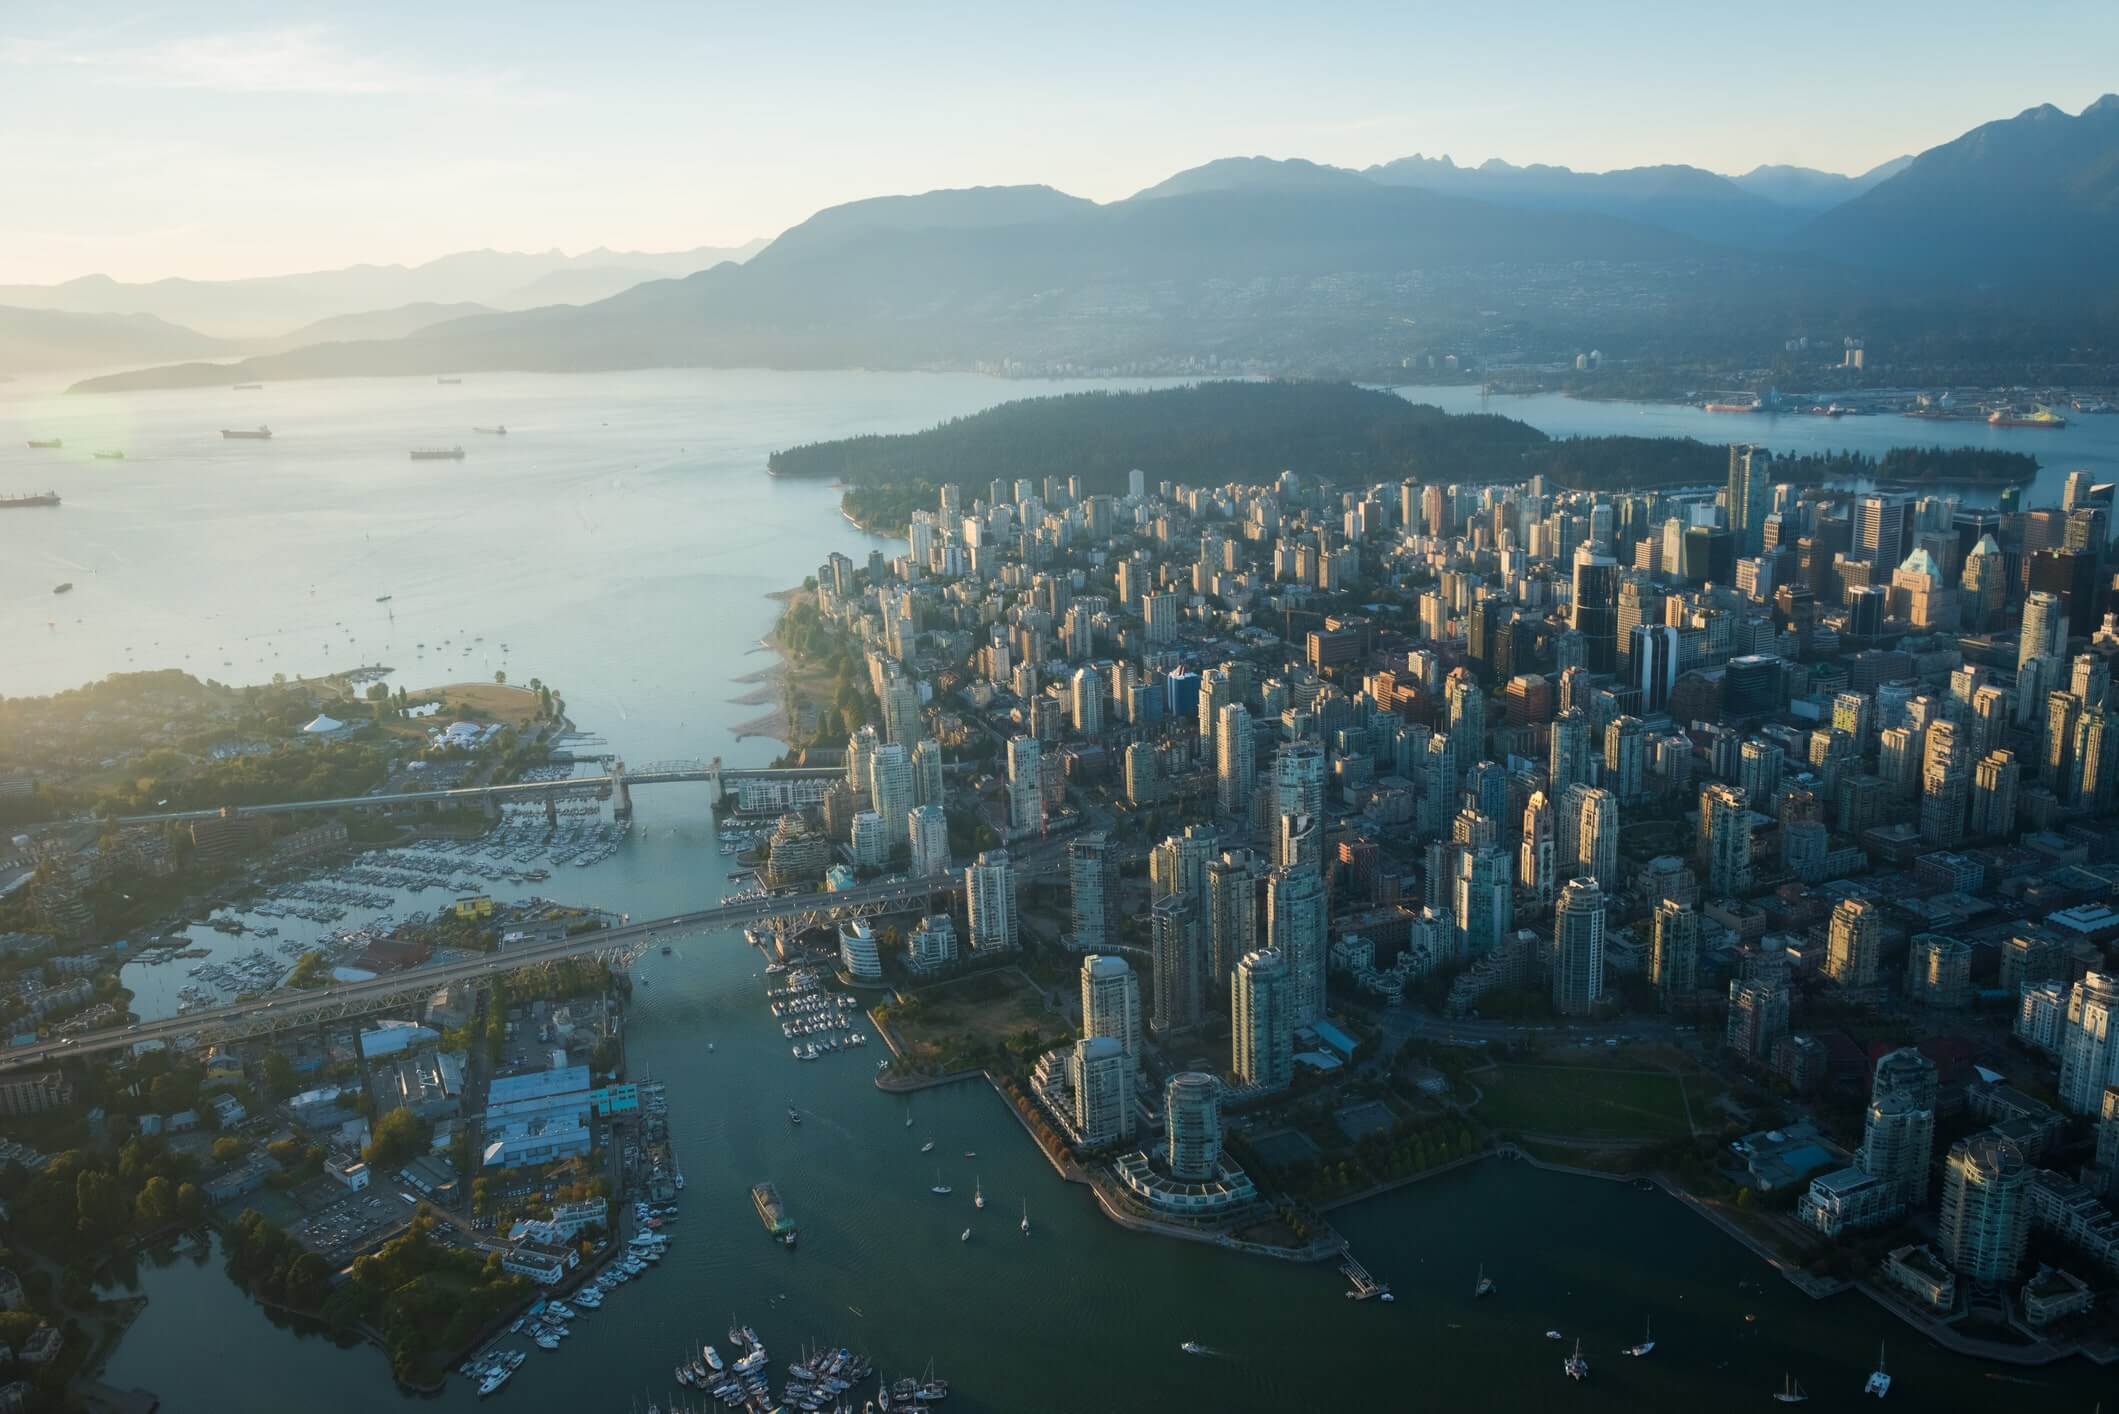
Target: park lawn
{"type": "Point", "coordinates": [960, 1023]}
{"type": "Point", "coordinates": [1583, 1102]}
{"type": "Point", "coordinates": [513, 706]}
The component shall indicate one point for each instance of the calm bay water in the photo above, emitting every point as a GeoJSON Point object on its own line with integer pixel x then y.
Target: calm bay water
{"type": "Point", "coordinates": [620, 542]}
{"type": "Point", "coordinates": [2087, 443]}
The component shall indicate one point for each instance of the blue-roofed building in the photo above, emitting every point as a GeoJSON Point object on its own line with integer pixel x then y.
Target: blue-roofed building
{"type": "Point", "coordinates": [1776, 1159]}
{"type": "Point", "coordinates": [538, 1084]}
{"type": "Point", "coordinates": [1335, 1040]}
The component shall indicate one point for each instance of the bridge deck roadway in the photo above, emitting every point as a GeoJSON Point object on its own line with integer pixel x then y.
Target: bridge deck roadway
{"type": "Point", "coordinates": [282, 1011]}
{"type": "Point", "coordinates": [514, 790]}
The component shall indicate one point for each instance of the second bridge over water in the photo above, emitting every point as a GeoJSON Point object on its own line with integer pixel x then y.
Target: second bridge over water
{"type": "Point", "coordinates": [615, 784]}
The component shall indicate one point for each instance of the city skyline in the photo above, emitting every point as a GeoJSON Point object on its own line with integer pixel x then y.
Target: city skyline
{"type": "Point", "coordinates": [280, 139]}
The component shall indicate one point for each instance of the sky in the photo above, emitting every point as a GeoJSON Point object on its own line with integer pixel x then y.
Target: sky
{"type": "Point", "coordinates": [149, 139]}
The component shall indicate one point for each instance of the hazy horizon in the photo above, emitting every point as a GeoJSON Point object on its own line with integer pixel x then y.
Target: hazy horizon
{"type": "Point", "coordinates": [290, 137]}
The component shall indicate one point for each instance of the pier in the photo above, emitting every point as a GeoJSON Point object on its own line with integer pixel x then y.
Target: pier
{"type": "Point", "coordinates": [1364, 1286]}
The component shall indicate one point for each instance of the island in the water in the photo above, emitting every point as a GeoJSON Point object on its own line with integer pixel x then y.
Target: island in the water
{"type": "Point", "coordinates": [1247, 431]}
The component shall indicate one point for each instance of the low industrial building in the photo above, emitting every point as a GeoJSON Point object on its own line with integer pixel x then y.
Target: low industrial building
{"type": "Point", "coordinates": [1229, 1189]}
{"type": "Point", "coordinates": [1919, 1270]}
{"type": "Point", "coordinates": [542, 1264]}
{"type": "Point", "coordinates": [1845, 1200]}
{"type": "Point", "coordinates": [544, 1116]}
{"type": "Point", "coordinates": [2052, 1295]}
{"type": "Point", "coordinates": [1777, 1159]}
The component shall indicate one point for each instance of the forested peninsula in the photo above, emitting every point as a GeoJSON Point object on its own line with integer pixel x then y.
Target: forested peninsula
{"type": "Point", "coordinates": [1210, 433]}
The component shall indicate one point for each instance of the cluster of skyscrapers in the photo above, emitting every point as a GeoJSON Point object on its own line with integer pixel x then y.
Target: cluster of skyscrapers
{"type": "Point", "coordinates": [1532, 740]}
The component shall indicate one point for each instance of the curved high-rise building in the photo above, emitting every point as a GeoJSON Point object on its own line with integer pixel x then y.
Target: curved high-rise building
{"type": "Point", "coordinates": [1986, 1217]}
{"type": "Point", "coordinates": [2044, 632]}
{"type": "Point", "coordinates": [1898, 1133]}
{"type": "Point", "coordinates": [1192, 1126]}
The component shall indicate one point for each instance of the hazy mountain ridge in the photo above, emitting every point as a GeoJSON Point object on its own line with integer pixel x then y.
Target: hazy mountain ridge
{"type": "Point", "coordinates": [269, 306]}
{"type": "Point", "coordinates": [36, 340]}
{"type": "Point", "coordinates": [2033, 196]}
{"type": "Point", "coordinates": [1132, 279]}
{"type": "Point", "coordinates": [1292, 266]}
{"type": "Point", "coordinates": [372, 324]}
{"type": "Point", "coordinates": [1688, 200]}
{"type": "Point", "coordinates": [1807, 189]}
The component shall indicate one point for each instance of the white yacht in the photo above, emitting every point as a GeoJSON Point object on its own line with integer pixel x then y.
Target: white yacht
{"type": "Point", "coordinates": [1879, 1382]}
{"type": "Point", "coordinates": [1026, 1217]}
{"type": "Point", "coordinates": [978, 1193]}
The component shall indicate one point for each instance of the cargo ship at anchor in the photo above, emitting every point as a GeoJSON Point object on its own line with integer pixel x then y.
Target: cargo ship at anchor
{"type": "Point", "coordinates": [773, 1213]}
{"type": "Point", "coordinates": [437, 454]}
{"type": "Point", "coordinates": [16, 503]}
{"type": "Point", "coordinates": [2039, 416]}
{"type": "Point", "coordinates": [247, 434]}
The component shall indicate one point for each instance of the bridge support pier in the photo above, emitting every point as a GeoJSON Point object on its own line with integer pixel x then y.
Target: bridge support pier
{"type": "Point", "coordinates": [551, 809]}
{"type": "Point", "coordinates": [621, 797]}
{"type": "Point", "coordinates": [492, 807]}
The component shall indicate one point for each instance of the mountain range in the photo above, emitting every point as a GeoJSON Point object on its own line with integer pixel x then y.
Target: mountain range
{"type": "Point", "coordinates": [269, 307]}
{"type": "Point", "coordinates": [1257, 264]}
{"type": "Point", "coordinates": [34, 340]}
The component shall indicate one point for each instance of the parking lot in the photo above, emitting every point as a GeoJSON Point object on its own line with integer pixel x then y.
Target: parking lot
{"type": "Point", "coordinates": [342, 1230]}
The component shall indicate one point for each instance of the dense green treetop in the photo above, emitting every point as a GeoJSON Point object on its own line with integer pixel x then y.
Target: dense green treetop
{"type": "Point", "coordinates": [1249, 432]}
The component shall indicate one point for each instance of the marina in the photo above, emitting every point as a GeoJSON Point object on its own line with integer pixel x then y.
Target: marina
{"type": "Point", "coordinates": [341, 908]}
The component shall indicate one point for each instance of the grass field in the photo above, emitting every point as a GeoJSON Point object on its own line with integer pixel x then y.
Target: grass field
{"type": "Point", "coordinates": [956, 1024]}
{"type": "Point", "coordinates": [1583, 1102]}
{"type": "Point", "coordinates": [512, 705]}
